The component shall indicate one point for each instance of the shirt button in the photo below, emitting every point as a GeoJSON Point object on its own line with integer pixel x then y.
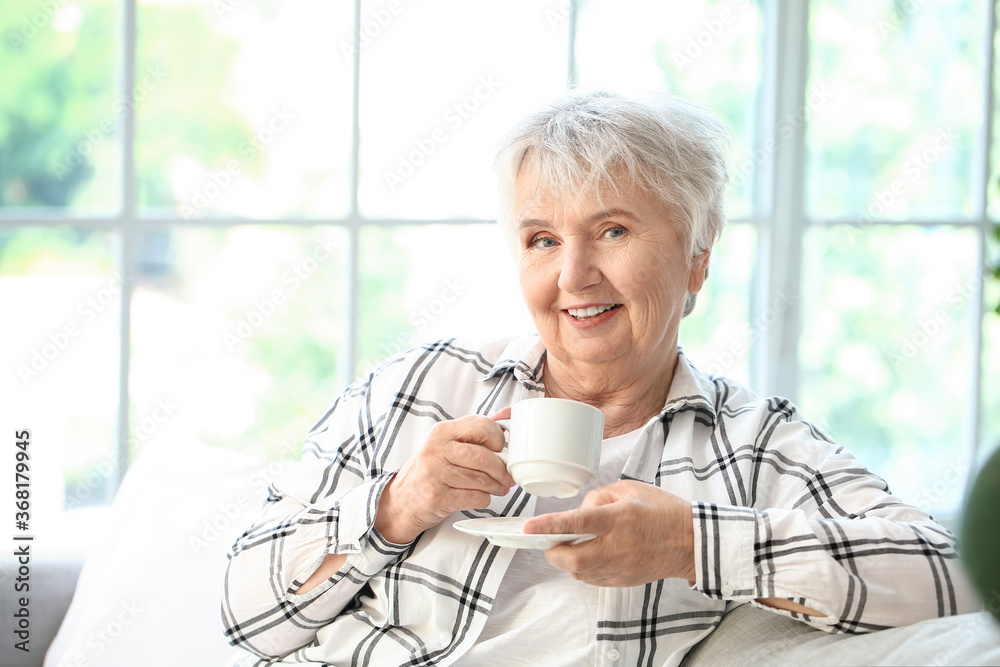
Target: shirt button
{"type": "Point", "coordinates": [727, 590]}
{"type": "Point", "coordinates": [613, 654]}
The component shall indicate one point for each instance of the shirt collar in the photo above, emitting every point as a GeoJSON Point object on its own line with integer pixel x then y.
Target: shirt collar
{"type": "Point", "coordinates": [689, 389]}
{"type": "Point", "coordinates": [525, 356]}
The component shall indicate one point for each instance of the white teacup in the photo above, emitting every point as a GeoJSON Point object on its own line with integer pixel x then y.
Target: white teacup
{"type": "Point", "coordinates": [554, 448]}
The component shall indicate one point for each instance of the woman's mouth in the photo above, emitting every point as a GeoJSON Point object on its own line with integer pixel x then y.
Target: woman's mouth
{"type": "Point", "coordinates": [592, 311]}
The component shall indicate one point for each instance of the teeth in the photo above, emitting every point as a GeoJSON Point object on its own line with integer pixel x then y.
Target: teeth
{"type": "Point", "coordinates": [580, 313]}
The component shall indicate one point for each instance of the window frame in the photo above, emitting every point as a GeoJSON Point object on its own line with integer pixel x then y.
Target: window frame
{"type": "Point", "coordinates": [779, 213]}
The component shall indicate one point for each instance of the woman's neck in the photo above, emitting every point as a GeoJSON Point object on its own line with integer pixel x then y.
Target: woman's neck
{"type": "Point", "coordinates": [628, 395]}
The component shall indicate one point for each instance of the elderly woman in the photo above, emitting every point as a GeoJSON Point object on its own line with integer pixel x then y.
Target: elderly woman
{"type": "Point", "coordinates": [707, 495]}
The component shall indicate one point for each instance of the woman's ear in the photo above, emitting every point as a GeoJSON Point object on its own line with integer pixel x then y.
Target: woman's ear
{"type": "Point", "coordinates": [699, 272]}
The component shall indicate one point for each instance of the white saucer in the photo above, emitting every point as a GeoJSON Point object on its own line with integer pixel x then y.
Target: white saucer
{"type": "Point", "coordinates": [507, 531]}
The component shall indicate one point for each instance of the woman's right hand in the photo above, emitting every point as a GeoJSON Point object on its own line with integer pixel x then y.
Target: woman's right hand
{"type": "Point", "coordinates": [455, 469]}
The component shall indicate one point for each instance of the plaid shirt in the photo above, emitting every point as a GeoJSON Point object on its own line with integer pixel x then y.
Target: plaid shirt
{"type": "Point", "coordinates": [779, 511]}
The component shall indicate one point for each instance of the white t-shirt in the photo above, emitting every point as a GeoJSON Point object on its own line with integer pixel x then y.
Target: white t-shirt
{"type": "Point", "coordinates": [543, 616]}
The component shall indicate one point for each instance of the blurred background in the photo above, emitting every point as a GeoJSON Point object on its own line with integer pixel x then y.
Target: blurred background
{"type": "Point", "coordinates": [216, 214]}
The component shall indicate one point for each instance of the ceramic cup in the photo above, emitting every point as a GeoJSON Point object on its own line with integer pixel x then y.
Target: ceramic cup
{"type": "Point", "coordinates": [554, 448]}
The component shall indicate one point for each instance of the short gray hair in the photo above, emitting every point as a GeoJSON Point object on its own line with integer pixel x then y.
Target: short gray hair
{"type": "Point", "coordinates": [605, 142]}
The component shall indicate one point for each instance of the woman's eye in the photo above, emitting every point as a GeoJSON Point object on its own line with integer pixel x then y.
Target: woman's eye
{"type": "Point", "coordinates": [542, 242]}
{"type": "Point", "coordinates": [615, 232]}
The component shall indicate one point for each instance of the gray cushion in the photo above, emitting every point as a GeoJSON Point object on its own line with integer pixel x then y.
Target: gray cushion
{"type": "Point", "coordinates": [52, 583]}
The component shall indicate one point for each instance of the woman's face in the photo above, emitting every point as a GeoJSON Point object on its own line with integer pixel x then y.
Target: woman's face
{"type": "Point", "coordinates": [605, 281]}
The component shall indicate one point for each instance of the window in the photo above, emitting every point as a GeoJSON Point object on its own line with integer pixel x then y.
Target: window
{"type": "Point", "coordinates": [216, 215]}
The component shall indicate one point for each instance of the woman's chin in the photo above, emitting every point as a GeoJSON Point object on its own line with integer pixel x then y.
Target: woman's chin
{"type": "Point", "coordinates": [591, 350]}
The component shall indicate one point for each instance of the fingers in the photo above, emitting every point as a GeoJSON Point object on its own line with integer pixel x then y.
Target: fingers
{"type": "Point", "coordinates": [591, 562]}
{"type": "Point", "coordinates": [503, 414]}
{"type": "Point", "coordinates": [587, 519]}
{"type": "Point", "coordinates": [605, 495]}
{"type": "Point", "coordinates": [474, 467]}
{"type": "Point", "coordinates": [456, 468]}
{"type": "Point", "coordinates": [474, 429]}
{"type": "Point", "coordinates": [470, 443]}
{"type": "Point", "coordinates": [586, 561]}
{"type": "Point", "coordinates": [411, 504]}
{"type": "Point", "coordinates": [573, 522]}
{"type": "Point", "coordinates": [644, 533]}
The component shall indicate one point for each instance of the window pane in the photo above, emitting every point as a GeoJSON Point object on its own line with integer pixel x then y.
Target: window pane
{"type": "Point", "coordinates": [421, 284]}
{"type": "Point", "coordinates": [248, 108]}
{"type": "Point", "coordinates": [886, 352]}
{"type": "Point", "coordinates": [719, 335]}
{"type": "Point", "coordinates": [894, 100]}
{"type": "Point", "coordinates": [990, 435]}
{"type": "Point", "coordinates": [60, 294]}
{"type": "Point", "coordinates": [237, 336]}
{"type": "Point", "coordinates": [445, 80]}
{"type": "Point", "coordinates": [60, 111]}
{"type": "Point", "coordinates": [993, 187]}
{"type": "Point", "coordinates": [708, 51]}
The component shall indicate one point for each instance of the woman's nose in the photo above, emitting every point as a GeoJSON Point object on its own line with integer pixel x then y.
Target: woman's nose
{"type": "Point", "coordinates": [579, 272]}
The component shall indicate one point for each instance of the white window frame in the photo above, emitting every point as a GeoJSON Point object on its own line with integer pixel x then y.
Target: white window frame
{"type": "Point", "coordinates": [780, 214]}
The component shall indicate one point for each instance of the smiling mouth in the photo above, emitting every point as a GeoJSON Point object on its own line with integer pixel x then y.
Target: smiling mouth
{"type": "Point", "coordinates": [593, 311]}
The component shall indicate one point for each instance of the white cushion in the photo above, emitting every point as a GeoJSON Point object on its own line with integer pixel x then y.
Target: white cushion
{"type": "Point", "coordinates": [752, 636]}
{"type": "Point", "coordinates": [149, 595]}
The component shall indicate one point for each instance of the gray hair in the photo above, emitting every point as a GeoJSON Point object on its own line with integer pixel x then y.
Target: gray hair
{"type": "Point", "coordinates": [604, 142]}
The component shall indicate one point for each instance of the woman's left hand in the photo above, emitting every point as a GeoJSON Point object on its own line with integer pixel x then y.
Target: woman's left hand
{"type": "Point", "coordinates": [643, 534]}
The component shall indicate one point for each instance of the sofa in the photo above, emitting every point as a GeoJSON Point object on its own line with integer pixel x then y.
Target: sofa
{"type": "Point", "coordinates": [148, 594]}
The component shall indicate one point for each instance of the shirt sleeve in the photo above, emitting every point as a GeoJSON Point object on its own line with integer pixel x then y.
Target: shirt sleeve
{"type": "Point", "coordinates": [826, 533]}
{"type": "Point", "coordinates": [324, 504]}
